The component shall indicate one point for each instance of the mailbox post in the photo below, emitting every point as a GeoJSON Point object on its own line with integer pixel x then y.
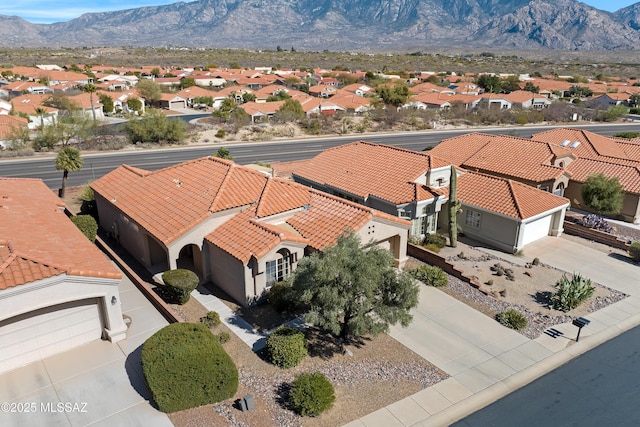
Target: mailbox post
{"type": "Point", "coordinates": [580, 322]}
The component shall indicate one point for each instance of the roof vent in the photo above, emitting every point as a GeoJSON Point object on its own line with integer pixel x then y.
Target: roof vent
{"type": "Point", "coordinates": [565, 143]}
{"type": "Point", "coordinates": [574, 144]}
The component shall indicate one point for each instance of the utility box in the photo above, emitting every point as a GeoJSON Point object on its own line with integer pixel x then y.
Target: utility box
{"type": "Point", "coordinates": [249, 403]}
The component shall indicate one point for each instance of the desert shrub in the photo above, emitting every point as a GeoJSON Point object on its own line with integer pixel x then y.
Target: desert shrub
{"type": "Point", "coordinates": [570, 293]}
{"type": "Point", "coordinates": [436, 239]}
{"type": "Point", "coordinates": [596, 222]}
{"type": "Point", "coordinates": [179, 284]}
{"type": "Point", "coordinates": [221, 134]}
{"type": "Point", "coordinates": [211, 319]}
{"type": "Point", "coordinates": [311, 394]}
{"type": "Point", "coordinates": [430, 275]}
{"type": "Point", "coordinates": [280, 297]}
{"type": "Point", "coordinates": [87, 224]}
{"type": "Point", "coordinates": [223, 337]}
{"type": "Point", "coordinates": [286, 347]}
{"type": "Point", "coordinates": [634, 251]}
{"type": "Point", "coordinates": [432, 247]}
{"type": "Point", "coordinates": [88, 206]}
{"type": "Point", "coordinates": [512, 319]}
{"type": "Point", "coordinates": [185, 366]}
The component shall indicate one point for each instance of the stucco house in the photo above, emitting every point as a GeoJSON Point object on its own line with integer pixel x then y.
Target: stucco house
{"type": "Point", "coordinates": [57, 290]}
{"type": "Point", "coordinates": [613, 157]}
{"type": "Point", "coordinates": [235, 227]}
{"type": "Point", "coordinates": [415, 186]}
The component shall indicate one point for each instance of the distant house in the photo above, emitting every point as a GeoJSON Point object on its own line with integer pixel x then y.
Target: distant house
{"type": "Point", "coordinates": [608, 100]}
{"type": "Point", "coordinates": [57, 290]}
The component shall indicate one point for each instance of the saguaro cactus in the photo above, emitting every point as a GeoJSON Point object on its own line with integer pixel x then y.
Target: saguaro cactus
{"type": "Point", "coordinates": [454, 206]}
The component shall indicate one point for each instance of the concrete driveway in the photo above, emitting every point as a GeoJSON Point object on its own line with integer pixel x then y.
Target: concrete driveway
{"type": "Point", "coordinates": [486, 361]}
{"type": "Point", "coordinates": [98, 384]}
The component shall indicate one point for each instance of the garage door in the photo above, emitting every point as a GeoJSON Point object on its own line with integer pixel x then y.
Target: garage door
{"type": "Point", "coordinates": [537, 229]}
{"type": "Point", "coordinates": [41, 333]}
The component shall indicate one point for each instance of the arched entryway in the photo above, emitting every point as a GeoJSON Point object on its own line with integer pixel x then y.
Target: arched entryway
{"type": "Point", "coordinates": [559, 191]}
{"type": "Point", "coordinates": [190, 258]}
{"type": "Point", "coordinates": [279, 268]}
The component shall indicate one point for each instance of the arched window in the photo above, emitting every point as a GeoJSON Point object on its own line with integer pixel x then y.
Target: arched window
{"type": "Point", "coordinates": [559, 191]}
{"type": "Point", "coordinates": [279, 268]}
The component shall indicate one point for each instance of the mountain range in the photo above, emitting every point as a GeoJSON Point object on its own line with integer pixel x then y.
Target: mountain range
{"type": "Point", "coordinates": [365, 25]}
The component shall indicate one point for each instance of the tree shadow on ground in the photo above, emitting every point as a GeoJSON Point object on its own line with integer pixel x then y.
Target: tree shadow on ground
{"type": "Point", "coordinates": [325, 345]}
{"type": "Point", "coordinates": [283, 396]}
{"type": "Point", "coordinates": [543, 298]}
{"type": "Point", "coordinates": [622, 258]}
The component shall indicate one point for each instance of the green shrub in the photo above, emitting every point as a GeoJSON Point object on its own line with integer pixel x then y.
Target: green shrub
{"type": "Point", "coordinates": [281, 297]}
{"type": "Point", "coordinates": [430, 275]}
{"type": "Point", "coordinates": [88, 206]}
{"type": "Point", "coordinates": [311, 394]}
{"type": "Point", "coordinates": [436, 239]}
{"type": "Point", "coordinates": [512, 319]}
{"type": "Point", "coordinates": [185, 366]}
{"type": "Point", "coordinates": [87, 224]}
{"type": "Point", "coordinates": [571, 293]}
{"type": "Point", "coordinates": [286, 347]}
{"type": "Point", "coordinates": [179, 284]}
{"type": "Point", "coordinates": [634, 251]}
{"type": "Point", "coordinates": [432, 247]}
{"type": "Point", "coordinates": [223, 337]}
{"type": "Point", "coordinates": [211, 319]}
{"type": "Point", "coordinates": [221, 133]}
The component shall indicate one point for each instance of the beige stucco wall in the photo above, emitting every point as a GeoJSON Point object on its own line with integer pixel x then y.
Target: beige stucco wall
{"type": "Point", "coordinates": [630, 205]}
{"type": "Point", "coordinates": [498, 231]}
{"type": "Point", "coordinates": [383, 231]}
{"type": "Point", "coordinates": [60, 289]}
{"type": "Point", "coordinates": [244, 282]}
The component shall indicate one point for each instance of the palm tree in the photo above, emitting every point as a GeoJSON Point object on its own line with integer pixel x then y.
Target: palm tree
{"type": "Point", "coordinates": [90, 89]}
{"type": "Point", "coordinates": [67, 160]}
{"type": "Point", "coordinates": [41, 111]}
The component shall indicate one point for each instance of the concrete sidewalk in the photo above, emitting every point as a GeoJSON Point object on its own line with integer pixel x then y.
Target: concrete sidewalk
{"type": "Point", "coordinates": [487, 361]}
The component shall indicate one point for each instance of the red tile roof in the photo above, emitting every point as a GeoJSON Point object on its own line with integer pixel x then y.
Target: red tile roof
{"type": "Point", "coordinates": [365, 169]}
{"type": "Point", "coordinates": [509, 156]}
{"type": "Point", "coordinates": [506, 197]}
{"type": "Point", "coordinates": [171, 201]}
{"type": "Point", "coordinates": [38, 241]}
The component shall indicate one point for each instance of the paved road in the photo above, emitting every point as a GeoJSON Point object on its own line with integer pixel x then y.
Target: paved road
{"type": "Point", "coordinates": [97, 165]}
{"type": "Point", "coordinates": [600, 388]}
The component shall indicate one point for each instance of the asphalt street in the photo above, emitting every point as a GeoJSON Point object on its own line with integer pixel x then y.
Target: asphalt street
{"type": "Point", "coordinates": [599, 388]}
{"type": "Point", "coordinates": [99, 164]}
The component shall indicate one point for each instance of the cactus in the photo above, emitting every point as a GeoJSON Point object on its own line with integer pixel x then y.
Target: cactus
{"type": "Point", "coordinates": [454, 207]}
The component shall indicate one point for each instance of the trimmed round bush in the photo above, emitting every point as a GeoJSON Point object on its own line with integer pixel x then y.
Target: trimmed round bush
{"type": "Point", "coordinates": [430, 275]}
{"type": "Point", "coordinates": [512, 319]}
{"type": "Point", "coordinates": [223, 337]}
{"type": "Point", "coordinates": [87, 224]}
{"type": "Point", "coordinates": [211, 319]}
{"type": "Point", "coordinates": [185, 366]}
{"type": "Point", "coordinates": [311, 394]}
{"type": "Point", "coordinates": [286, 347]}
{"type": "Point", "coordinates": [634, 251]}
{"type": "Point", "coordinates": [179, 284]}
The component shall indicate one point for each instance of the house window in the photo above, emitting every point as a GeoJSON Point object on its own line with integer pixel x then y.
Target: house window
{"type": "Point", "coordinates": [472, 218]}
{"type": "Point", "coordinates": [425, 223]}
{"type": "Point", "coordinates": [278, 269]}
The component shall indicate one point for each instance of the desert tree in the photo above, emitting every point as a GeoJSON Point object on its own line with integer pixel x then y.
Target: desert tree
{"type": "Point", "coordinates": [351, 291]}
{"type": "Point", "coordinates": [603, 194]}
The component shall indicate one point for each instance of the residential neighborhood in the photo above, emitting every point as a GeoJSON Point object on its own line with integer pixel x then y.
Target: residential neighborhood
{"type": "Point", "coordinates": [471, 243]}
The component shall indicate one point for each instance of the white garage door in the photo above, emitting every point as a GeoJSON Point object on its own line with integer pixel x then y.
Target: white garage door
{"type": "Point", "coordinates": [41, 333]}
{"type": "Point", "coordinates": [537, 229]}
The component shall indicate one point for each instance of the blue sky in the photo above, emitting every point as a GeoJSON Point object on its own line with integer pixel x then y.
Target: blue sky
{"type": "Point", "coordinates": [47, 11]}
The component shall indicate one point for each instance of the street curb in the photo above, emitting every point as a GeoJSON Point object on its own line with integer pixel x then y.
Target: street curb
{"type": "Point", "coordinates": [520, 379]}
